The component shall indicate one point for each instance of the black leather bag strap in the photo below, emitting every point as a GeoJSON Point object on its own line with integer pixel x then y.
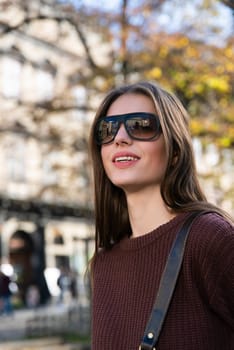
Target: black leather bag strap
{"type": "Point", "coordinates": [167, 285]}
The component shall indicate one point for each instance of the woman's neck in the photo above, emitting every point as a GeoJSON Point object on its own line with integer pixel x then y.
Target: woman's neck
{"type": "Point", "coordinates": [147, 211]}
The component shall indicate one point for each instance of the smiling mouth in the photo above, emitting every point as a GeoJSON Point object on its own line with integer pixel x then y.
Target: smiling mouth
{"type": "Point", "coordinates": [125, 159]}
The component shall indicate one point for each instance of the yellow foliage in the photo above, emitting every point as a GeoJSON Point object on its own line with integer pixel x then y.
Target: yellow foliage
{"type": "Point", "coordinates": [220, 69]}
{"type": "Point", "coordinates": [231, 132]}
{"type": "Point", "coordinates": [218, 83]}
{"type": "Point", "coordinates": [223, 102]}
{"type": "Point", "coordinates": [198, 88]}
{"type": "Point", "coordinates": [224, 142]}
{"type": "Point", "coordinates": [229, 67]}
{"type": "Point", "coordinates": [203, 126]}
{"type": "Point", "coordinates": [212, 127]}
{"type": "Point", "coordinates": [145, 57]}
{"type": "Point", "coordinates": [189, 93]}
{"type": "Point", "coordinates": [228, 52]}
{"type": "Point", "coordinates": [196, 127]}
{"type": "Point", "coordinates": [163, 52]}
{"type": "Point", "coordinates": [191, 52]}
{"type": "Point", "coordinates": [183, 42]}
{"type": "Point", "coordinates": [155, 73]}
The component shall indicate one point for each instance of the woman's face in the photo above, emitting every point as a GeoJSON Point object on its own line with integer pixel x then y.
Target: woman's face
{"type": "Point", "coordinates": [132, 164]}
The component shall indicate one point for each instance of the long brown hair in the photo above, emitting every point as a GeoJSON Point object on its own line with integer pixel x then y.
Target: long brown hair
{"type": "Point", "coordinates": [180, 188]}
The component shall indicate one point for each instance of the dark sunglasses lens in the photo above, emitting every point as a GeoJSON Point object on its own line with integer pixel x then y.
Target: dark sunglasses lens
{"type": "Point", "coordinates": [143, 128]}
{"type": "Point", "coordinates": [106, 130]}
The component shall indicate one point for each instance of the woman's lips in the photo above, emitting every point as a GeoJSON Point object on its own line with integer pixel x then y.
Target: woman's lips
{"type": "Point", "coordinates": [125, 157]}
{"type": "Point", "coordinates": [124, 160]}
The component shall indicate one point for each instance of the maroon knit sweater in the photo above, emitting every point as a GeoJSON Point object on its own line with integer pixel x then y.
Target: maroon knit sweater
{"type": "Point", "coordinates": [126, 279]}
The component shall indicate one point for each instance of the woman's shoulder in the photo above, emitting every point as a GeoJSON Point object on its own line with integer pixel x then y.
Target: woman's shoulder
{"type": "Point", "coordinates": [209, 255]}
{"type": "Point", "coordinates": [212, 223]}
{"type": "Point", "coordinates": [100, 256]}
{"type": "Point", "coordinates": [212, 237]}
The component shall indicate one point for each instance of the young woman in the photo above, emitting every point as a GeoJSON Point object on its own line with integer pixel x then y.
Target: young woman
{"type": "Point", "coordinates": [145, 186]}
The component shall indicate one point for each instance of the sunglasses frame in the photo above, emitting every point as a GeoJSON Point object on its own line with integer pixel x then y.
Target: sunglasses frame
{"type": "Point", "coordinates": [121, 119]}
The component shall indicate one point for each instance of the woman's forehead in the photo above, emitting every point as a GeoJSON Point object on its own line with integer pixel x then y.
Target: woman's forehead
{"type": "Point", "coordinates": [130, 103]}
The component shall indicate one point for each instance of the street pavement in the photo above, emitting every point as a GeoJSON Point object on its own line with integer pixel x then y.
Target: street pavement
{"type": "Point", "coordinates": [13, 327]}
{"type": "Point", "coordinates": [13, 331]}
{"type": "Point", "coordinates": [36, 344]}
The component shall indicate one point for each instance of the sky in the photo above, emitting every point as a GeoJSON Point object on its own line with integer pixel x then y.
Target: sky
{"type": "Point", "coordinates": [223, 20]}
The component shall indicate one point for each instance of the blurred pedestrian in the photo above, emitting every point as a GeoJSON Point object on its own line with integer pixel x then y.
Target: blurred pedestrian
{"type": "Point", "coordinates": [5, 295]}
{"type": "Point", "coordinates": [65, 283]}
{"type": "Point", "coordinates": [33, 296]}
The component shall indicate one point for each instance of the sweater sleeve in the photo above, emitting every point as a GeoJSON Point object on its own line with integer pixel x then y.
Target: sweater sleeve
{"type": "Point", "coordinates": [222, 299]}
{"type": "Point", "coordinates": [216, 260]}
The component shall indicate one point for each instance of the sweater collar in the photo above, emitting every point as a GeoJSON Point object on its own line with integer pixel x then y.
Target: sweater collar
{"type": "Point", "coordinates": [170, 227]}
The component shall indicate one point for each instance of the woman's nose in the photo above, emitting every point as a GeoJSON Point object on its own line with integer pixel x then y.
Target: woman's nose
{"type": "Point", "coordinates": [122, 135]}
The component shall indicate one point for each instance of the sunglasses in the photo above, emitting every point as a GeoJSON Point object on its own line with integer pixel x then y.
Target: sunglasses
{"type": "Point", "coordinates": [139, 126]}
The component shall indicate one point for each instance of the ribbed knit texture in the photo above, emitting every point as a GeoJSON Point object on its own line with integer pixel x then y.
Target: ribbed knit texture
{"type": "Point", "coordinates": [126, 279]}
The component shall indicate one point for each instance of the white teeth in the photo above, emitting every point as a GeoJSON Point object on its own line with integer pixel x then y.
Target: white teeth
{"type": "Point", "coordinates": [125, 159]}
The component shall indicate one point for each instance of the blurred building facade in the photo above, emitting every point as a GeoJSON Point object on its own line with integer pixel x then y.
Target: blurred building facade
{"type": "Point", "coordinates": [45, 113]}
